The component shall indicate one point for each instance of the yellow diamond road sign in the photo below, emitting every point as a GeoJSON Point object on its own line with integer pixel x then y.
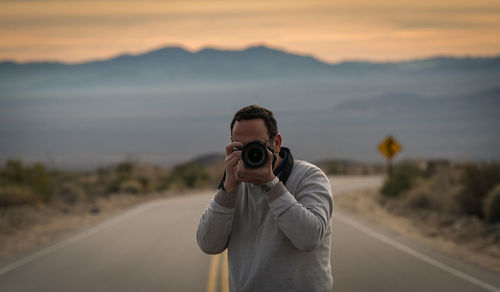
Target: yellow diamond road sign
{"type": "Point", "coordinates": [389, 147]}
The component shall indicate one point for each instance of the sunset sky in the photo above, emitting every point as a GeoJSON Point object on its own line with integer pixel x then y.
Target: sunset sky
{"type": "Point", "coordinates": [77, 30]}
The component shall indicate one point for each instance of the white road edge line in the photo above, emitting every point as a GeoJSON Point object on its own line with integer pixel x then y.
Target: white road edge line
{"type": "Point", "coordinates": [416, 254]}
{"type": "Point", "coordinates": [77, 237]}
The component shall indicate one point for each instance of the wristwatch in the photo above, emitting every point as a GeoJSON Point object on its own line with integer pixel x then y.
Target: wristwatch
{"type": "Point", "coordinates": [268, 185]}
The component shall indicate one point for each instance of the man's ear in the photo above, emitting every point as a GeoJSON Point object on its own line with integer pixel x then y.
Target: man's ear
{"type": "Point", "coordinates": [277, 143]}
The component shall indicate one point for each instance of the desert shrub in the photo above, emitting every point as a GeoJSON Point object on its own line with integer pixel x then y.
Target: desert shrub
{"type": "Point", "coordinates": [147, 178]}
{"type": "Point", "coordinates": [491, 206]}
{"type": "Point", "coordinates": [113, 185]}
{"type": "Point", "coordinates": [13, 172]}
{"type": "Point", "coordinates": [477, 180]}
{"type": "Point", "coordinates": [163, 183]}
{"type": "Point", "coordinates": [124, 170]}
{"type": "Point", "coordinates": [70, 193]}
{"type": "Point", "coordinates": [16, 195]}
{"type": "Point", "coordinates": [146, 183]}
{"type": "Point", "coordinates": [131, 186]}
{"type": "Point", "coordinates": [404, 174]}
{"type": "Point", "coordinates": [39, 180]}
{"type": "Point", "coordinates": [335, 168]}
{"type": "Point", "coordinates": [419, 200]}
{"type": "Point", "coordinates": [347, 167]}
{"type": "Point", "coordinates": [34, 177]}
{"type": "Point", "coordinates": [109, 179]}
{"type": "Point", "coordinates": [88, 183]}
{"type": "Point", "coordinates": [189, 175]}
{"type": "Point", "coordinates": [437, 192]}
{"type": "Point", "coordinates": [23, 184]}
{"type": "Point", "coordinates": [434, 166]}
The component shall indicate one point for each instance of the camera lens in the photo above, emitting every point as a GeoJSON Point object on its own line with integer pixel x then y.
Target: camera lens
{"type": "Point", "coordinates": [254, 154]}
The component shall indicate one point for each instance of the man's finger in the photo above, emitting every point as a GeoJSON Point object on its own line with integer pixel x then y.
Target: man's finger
{"type": "Point", "coordinates": [233, 158]}
{"type": "Point", "coordinates": [231, 146]}
{"type": "Point", "coordinates": [270, 156]}
{"type": "Point", "coordinates": [240, 168]}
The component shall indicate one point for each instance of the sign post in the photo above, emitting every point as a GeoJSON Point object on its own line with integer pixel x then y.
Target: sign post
{"type": "Point", "coordinates": [389, 147]}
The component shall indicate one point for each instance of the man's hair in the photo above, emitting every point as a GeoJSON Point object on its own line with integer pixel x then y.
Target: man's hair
{"type": "Point", "coordinates": [252, 112]}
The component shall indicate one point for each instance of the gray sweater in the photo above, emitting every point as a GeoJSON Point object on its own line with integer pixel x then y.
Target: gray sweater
{"type": "Point", "coordinates": [278, 241]}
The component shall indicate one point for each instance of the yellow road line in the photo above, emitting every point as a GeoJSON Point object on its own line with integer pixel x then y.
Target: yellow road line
{"type": "Point", "coordinates": [224, 276]}
{"type": "Point", "coordinates": [212, 274]}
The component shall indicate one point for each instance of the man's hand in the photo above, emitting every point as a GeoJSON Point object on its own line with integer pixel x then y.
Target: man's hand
{"type": "Point", "coordinates": [232, 158]}
{"type": "Point", "coordinates": [256, 176]}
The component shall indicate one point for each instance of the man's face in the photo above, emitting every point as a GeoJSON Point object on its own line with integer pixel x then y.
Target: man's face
{"type": "Point", "coordinates": [247, 131]}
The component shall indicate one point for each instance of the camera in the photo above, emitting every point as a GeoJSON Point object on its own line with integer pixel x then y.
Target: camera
{"type": "Point", "coordinates": [254, 154]}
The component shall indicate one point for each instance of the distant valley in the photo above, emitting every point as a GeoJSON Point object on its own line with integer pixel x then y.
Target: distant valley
{"type": "Point", "coordinates": [171, 105]}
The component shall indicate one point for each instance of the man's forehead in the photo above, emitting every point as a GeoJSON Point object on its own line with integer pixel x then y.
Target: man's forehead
{"type": "Point", "coordinates": [247, 129]}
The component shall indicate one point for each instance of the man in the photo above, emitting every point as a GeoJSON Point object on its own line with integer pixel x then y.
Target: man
{"type": "Point", "coordinates": [274, 220]}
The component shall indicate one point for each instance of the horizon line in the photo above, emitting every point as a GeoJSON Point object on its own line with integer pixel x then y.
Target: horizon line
{"type": "Point", "coordinates": [246, 47]}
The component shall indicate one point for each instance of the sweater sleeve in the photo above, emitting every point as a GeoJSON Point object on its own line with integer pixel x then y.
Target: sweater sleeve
{"type": "Point", "coordinates": [305, 217]}
{"type": "Point", "coordinates": [216, 222]}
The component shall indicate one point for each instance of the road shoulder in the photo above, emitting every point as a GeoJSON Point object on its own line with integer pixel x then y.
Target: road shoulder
{"type": "Point", "coordinates": [364, 204]}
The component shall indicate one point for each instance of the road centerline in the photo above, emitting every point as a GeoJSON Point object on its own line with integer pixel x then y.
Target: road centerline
{"type": "Point", "coordinates": [213, 271]}
{"type": "Point", "coordinates": [218, 269]}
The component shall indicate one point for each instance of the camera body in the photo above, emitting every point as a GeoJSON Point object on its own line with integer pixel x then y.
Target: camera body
{"type": "Point", "coordinates": [254, 154]}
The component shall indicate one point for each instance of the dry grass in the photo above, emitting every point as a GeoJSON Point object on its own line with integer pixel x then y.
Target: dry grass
{"type": "Point", "coordinates": [438, 193]}
{"type": "Point", "coordinates": [464, 237]}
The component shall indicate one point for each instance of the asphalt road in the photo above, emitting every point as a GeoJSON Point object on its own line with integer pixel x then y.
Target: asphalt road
{"type": "Point", "coordinates": [152, 247]}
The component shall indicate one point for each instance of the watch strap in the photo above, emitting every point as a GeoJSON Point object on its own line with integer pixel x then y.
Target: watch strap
{"type": "Point", "coordinates": [269, 185]}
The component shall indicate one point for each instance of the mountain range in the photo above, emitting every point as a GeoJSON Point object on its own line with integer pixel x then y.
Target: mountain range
{"type": "Point", "coordinates": [170, 104]}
